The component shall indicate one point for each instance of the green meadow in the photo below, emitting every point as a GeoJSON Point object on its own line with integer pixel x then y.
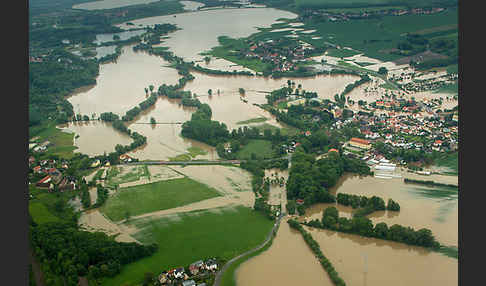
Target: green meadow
{"type": "Point", "coordinates": [188, 237]}
{"type": "Point", "coordinates": [261, 148]}
{"type": "Point", "coordinates": [156, 196]}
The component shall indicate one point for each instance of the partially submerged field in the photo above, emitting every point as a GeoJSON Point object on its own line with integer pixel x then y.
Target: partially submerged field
{"type": "Point", "coordinates": [156, 196]}
{"type": "Point", "coordinates": [188, 237]}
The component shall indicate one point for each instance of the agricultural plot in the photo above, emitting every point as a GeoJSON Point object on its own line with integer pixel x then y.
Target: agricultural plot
{"type": "Point", "coordinates": [261, 148]}
{"type": "Point", "coordinates": [156, 196]}
{"type": "Point", "coordinates": [188, 237]}
{"type": "Point", "coordinates": [118, 175]}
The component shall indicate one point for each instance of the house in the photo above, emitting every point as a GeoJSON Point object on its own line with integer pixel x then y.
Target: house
{"type": "Point", "coordinates": [37, 169]}
{"type": "Point", "coordinates": [189, 283]}
{"type": "Point", "coordinates": [360, 143]}
{"type": "Point", "coordinates": [211, 265]}
{"type": "Point", "coordinates": [125, 158]}
{"type": "Point", "coordinates": [296, 102]}
{"type": "Point", "coordinates": [307, 133]}
{"type": "Point", "coordinates": [96, 163]}
{"type": "Point", "coordinates": [179, 272]}
{"type": "Point", "coordinates": [67, 184]}
{"type": "Point", "coordinates": [299, 201]}
{"type": "Point", "coordinates": [195, 267]}
{"type": "Point", "coordinates": [44, 182]}
{"type": "Point", "coordinates": [333, 150]}
{"type": "Point", "coordinates": [163, 277]}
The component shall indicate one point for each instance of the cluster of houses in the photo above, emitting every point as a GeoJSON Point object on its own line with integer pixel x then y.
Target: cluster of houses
{"type": "Point", "coordinates": [52, 176]}
{"type": "Point", "coordinates": [178, 276]}
{"type": "Point", "coordinates": [283, 58]}
{"type": "Point", "coordinates": [39, 147]}
{"type": "Point", "coordinates": [429, 84]}
{"type": "Point", "coordinates": [350, 15]}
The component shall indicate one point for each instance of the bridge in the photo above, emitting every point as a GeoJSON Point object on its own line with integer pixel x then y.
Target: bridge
{"type": "Point", "coordinates": [195, 162]}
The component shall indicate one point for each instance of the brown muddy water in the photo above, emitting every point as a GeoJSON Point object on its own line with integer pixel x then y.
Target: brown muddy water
{"type": "Point", "coordinates": [420, 207]}
{"type": "Point", "coordinates": [287, 262]}
{"type": "Point", "coordinates": [95, 137]}
{"type": "Point", "coordinates": [120, 85]}
{"type": "Point", "coordinates": [370, 261]}
{"type": "Point", "coordinates": [201, 29]}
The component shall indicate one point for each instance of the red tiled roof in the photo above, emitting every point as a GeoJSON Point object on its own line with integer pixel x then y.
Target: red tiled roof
{"type": "Point", "coordinates": [359, 140]}
{"type": "Point", "coordinates": [44, 179]}
{"type": "Point", "coordinates": [333, 150]}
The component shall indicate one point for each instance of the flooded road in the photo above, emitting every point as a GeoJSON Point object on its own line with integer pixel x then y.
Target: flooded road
{"type": "Point", "coordinates": [287, 262]}
{"type": "Point", "coordinates": [364, 261]}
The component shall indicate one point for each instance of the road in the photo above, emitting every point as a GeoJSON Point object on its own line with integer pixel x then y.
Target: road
{"type": "Point", "coordinates": [217, 280]}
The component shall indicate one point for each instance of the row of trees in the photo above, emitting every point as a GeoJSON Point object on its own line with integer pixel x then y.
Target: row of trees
{"type": "Point", "coordinates": [314, 246]}
{"type": "Point", "coordinates": [362, 225]}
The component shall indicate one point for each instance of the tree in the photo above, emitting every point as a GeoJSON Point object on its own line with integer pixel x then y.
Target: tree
{"type": "Point", "coordinates": [210, 92]}
{"type": "Point", "coordinates": [242, 91]}
{"type": "Point", "coordinates": [383, 70]}
{"type": "Point", "coordinates": [381, 230]}
{"type": "Point", "coordinates": [152, 120]}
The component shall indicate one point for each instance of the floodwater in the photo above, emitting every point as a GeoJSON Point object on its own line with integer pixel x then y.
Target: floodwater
{"type": "Point", "coordinates": [278, 194]}
{"type": "Point", "coordinates": [287, 262]}
{"type": "Point", "coordinates": [106, 137]}
{"type": "Point", "coordinates": [121, 84]}
{"type": "Point", "coordinates": [420, 206]}
{"type": "Point", "coordinates": [200, 30]}
{"type": "Point", "coordinates": [104, 51]}
{"type": "Point", "coordinates": [94, 221]}
{"type": "Point", "coordinates": [125, 35]}
{"type": "Point", "coordinates": [371, 261]}
{"type": "Point", "coordinates": [110, 4]}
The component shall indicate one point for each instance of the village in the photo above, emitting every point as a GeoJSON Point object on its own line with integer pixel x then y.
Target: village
{"type": "Point", "coordinates": [346, 16]}
{"type": "Point", "coordinates": [282, 55]}
{"type": "Point", "coordinates": [198, 270]}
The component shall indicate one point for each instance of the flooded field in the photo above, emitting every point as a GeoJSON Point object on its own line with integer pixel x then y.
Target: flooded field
{"type": "Point", "coordinates": [110, 4]}
{"type": "Point", "coordinates": [421, 207]}
{"type": "Point", "coordinates": [287, 262]}
{"type": "Point", "coordinates": [370, 261]}
{"type": "Point", "coordinates": [89, 130]}
{"type": "Point", "coordinates": [125, 35]}
{"type": "Point", "coordinates": [200, 30]}
{"type": "Point", "coordinates": [118, 89]}
{"type": "Point", "coordinates": [93, 220]}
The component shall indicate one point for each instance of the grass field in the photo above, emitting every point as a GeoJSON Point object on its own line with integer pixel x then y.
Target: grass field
{"type": "Point", "coordinates": [288, 130]}
{"type": "Point", "coordinates": [193, 236]}
{"type": "Point", "coordinates": [253, 120]}
{"type": "Point", "coordinates": [192, 153]}
{"type": "Point", "coordinates": [156, 196]}
{"type": "Point", "coordinates": [113, 177]}
{"type": "Point", "coordinates": [386, 85]}
{"type": "Point", "coordinates": [449, 88]}
{"type": "Point", "coordinates": [341, 53]}
{"type": "Point", "coordinates": [261, 148]}
{"type": "Point", "coordinates": [62, 142]}
{"type": "Point", "coordinates": [450, 161]}
{"type": "Point", "coordinates": [46, 207]}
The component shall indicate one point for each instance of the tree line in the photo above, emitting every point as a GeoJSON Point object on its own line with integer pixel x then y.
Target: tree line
{"type": "Point", "coordinates": [316, 249]}
{"type": "Point", "coordinates": [363, 226]}
{"type": "Point", "coordinates": [65, 252]}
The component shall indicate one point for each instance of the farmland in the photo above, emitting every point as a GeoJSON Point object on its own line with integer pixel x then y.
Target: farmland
{"type": "Point", "coordinates": [222, 233]}
{"type": "Point", "coordinates": [261, 148]}
{"type": "Point", "coordinates": [156, 196]}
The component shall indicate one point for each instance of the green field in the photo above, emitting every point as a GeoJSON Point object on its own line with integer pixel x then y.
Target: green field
{"type": "Point", "coordinates": [113, 177]}
{"type": "Point", "coordinates": [387, 85]}
{"type": "Point", "coordinates": [450, 161]}
{"type": "Point", "coordinates": [287, 130]}
{"type": "Point", "coordinates": [156, 196]}
{"type": "Point", "coordinates": [341, 53]}
{"type": "Point", "coordinates": [224, 233]}
{"type": "Point", "coordinates": [261, 148]}
{"type": "Point", "coordinates": [47, 207]}
{"type": "Point", "coordinates": [41, 214]}
{"type": "Point", "coordinates": [253, 120]}
{"type": "Point", "coordinates": [62, 142]}
{"type": "Point", "coordinates": [193, 152]}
